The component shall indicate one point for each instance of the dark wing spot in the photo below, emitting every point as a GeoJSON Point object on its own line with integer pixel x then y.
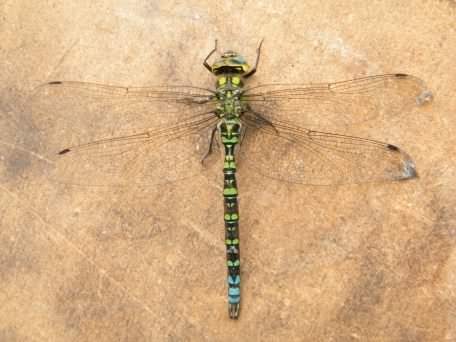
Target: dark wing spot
{"type": "Point", "coordinates": [55, 82]}
{"type": "Point", "coordinates": [392, 147]}
{"type": "Point", "coordinates": [401, 75]}
{"type": "Point", "coordinates": [64, 151]}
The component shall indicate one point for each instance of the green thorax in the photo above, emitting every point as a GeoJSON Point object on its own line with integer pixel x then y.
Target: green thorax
{"type": "Point", "coordinates": [230, 107]}
{"type": "Point", "coordinates": [228, 92]}
{"type": "Point", "coordinates": [229, 70]}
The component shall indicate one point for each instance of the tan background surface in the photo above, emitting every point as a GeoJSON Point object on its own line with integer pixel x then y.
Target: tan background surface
{"type": "Point", "coordinates": [363, 262]}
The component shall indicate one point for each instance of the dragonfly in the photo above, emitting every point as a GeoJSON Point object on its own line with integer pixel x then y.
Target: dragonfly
{"type": "Point", "coordinates": [148, 135]}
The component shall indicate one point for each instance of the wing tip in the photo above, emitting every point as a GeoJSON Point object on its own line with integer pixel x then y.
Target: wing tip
{"type": "Point", "coordinates": [408, 169]}
{"type": "Point", "coordinates": [425, 97]}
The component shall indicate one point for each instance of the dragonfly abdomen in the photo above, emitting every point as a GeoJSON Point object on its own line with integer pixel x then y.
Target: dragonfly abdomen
{"type": "Point", "coordinates": [230, 132]}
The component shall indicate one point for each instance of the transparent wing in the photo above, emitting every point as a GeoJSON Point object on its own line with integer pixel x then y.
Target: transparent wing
{"type": "Point", "coordinates": [107, 135]}
{"type": "Point", "coordinates": [338, 104]}
{"type": "Point", "coordinates": [282, 151]}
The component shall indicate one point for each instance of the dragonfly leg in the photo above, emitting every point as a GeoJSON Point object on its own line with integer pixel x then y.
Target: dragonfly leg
{"type": "Point", "coordinates": [209, 150]}
{"type": "Point", "coordinates": [258, 51]}
{"type": "Point", "coordinates": [205, 63]}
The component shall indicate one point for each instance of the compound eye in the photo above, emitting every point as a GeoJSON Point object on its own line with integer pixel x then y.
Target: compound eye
{"type": "Point", "coordinates": [238, 59]}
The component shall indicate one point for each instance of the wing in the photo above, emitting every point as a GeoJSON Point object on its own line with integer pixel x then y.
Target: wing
{"type": "Point", "coordinates": [319, 106]}
{"type": "Point", "coordinates": [282, 151]}
{"type": "Point", "coordinates": [107, 135]}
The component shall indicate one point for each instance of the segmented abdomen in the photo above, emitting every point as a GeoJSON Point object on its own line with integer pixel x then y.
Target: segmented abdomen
{"type": "Point", "coordinates": [230, 136]}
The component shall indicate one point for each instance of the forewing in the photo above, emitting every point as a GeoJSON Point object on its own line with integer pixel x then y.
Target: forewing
{"type": "Point", "coordinates": [339, 104]}
{"type": "Point", "coordinates": [294, 154]}
{"type": "Point", "coordinates": [109, 135]}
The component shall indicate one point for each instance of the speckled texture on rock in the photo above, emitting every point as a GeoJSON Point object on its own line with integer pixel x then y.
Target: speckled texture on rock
{"type": "Point", "coordinates": [365, 262]}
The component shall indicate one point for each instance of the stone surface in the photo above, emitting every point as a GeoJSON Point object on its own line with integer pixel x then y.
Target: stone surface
{"type": "Point", "coordinates": [371, 262]}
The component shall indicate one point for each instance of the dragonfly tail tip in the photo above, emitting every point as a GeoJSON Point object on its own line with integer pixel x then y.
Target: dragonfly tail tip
{"type": "Point", "coordinates": [233, 311]}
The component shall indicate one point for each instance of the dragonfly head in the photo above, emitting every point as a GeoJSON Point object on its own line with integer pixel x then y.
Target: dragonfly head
{"type": "Point", "coordinates": [230, 62]}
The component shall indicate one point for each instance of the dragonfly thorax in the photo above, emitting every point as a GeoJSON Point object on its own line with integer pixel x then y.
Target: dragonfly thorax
{"type": "Point", "coordinates": [229, 108]}
{"type": "Point", "coordinates": [228, 92]}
